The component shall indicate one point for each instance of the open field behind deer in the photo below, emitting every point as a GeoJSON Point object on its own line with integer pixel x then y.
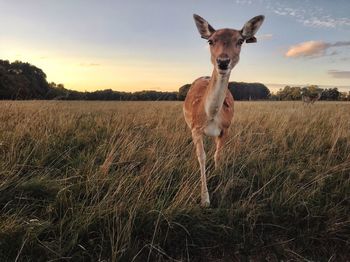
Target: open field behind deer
{"type": "Point", "coordinates": [282, 190]}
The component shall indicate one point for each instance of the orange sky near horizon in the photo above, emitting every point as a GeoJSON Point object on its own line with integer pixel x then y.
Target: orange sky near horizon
{"type": "Point", "coordinates": [94, 73]}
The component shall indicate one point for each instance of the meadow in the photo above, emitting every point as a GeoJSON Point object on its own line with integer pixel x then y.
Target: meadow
{"type": "Point", "coordinates": [281, 193]}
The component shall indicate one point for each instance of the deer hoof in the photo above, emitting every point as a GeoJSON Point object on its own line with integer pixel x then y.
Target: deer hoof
{"type": "Point", "coordinates": [205, 202]}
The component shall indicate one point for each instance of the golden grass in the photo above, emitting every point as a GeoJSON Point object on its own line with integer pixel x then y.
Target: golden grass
{"type": "Point", "coordinates": [282, 190]}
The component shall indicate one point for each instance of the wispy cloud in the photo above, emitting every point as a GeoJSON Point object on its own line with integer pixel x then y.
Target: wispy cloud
{"type": "Point", "coordinates": [264, 37]}
{"type": "Point", "coordinates": [89, 64]}
{"type": "Point", "coordinates": [326, 21]}
{"type": "Point", "coordinates": [308, 15]}
{"type": "Point", "coordinates": [312, 49]}
{"type": "Point", "coordinates": [298, 13]}
{"type": "Point", "coordinates": [244, 2]}
{"type": "Point", "coordinates": [339, 73]}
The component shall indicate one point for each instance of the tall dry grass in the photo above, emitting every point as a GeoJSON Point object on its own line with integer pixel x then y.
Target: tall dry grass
{"type": "Point", "coordinates": [282, 191]}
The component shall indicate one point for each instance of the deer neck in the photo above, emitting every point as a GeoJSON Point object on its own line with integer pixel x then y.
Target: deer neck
{"type": "Point", "coordinates": [216, 93]}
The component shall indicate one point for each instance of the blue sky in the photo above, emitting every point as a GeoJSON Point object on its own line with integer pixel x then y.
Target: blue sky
{"type": "Point", "coordinates": [137, 45]}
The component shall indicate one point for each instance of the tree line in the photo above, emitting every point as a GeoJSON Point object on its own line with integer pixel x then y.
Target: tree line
{"type": "Point", "coordinates": [296, 93]}
{"type": "Point", "coordinates": [22, 81]}
{"type": "Point", "coordinates": [239, 90]}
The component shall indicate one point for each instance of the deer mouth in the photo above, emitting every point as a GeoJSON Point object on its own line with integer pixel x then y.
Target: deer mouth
{"type": "Point", "coordinates": [223, 71]}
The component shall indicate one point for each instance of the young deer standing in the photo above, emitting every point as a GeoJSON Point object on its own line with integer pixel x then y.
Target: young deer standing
{"type": "Point", "coordinates": [310, 99]}
{"type": "Point", "coordinates": [208, 107]}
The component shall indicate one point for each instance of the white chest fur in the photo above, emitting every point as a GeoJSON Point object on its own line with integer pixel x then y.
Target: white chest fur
{"type": "Point", "coordinates": [213, 104]}
{"type": "Point", "coordinates": [216, 95]}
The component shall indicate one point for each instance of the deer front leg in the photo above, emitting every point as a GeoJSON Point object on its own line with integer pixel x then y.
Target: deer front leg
{"type": "Point", "coordinates": [219, 141]}
{"type": "Point", "coordinates": [198, 142]}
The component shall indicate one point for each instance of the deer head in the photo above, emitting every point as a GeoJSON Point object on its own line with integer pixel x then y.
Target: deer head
{"type": "Point", "coordinates": [225, 44]}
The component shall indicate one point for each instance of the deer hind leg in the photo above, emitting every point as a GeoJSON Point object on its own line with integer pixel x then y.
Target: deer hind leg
{"type": "Point", "coordinates": [219, 141]}
{"type": "Point", "coordinates": [198, 142]}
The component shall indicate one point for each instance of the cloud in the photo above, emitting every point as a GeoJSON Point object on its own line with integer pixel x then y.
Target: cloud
{"type": "Point", "coordinates": [308, 15]}
{"type": "Point", "coordinates": [288, 11]}
{"type": "Point", "coordinates": [264, 37]}
{"type": "Point", "coordinates": [341, 43]}
{"type": "Point", "coordinates": [339, 73]}
{"type": "Point", "coordinates": [89, 64]}
{"type": "Point", "coordinates": [279, 12]}
{"type": "Point", "coordinates": [326, 22]}
{"type": "Point", "coordinates": [313, 49]}
{"type": "Point", "coordinates": [307, 49]}
{"type": "Point", "coordinates": [244, 2]}
{"type": "Point", "coordinates": [305, 12]}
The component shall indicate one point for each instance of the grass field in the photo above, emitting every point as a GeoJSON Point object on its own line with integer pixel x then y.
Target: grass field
{"type": "Point", "coordinates": [282, 192]}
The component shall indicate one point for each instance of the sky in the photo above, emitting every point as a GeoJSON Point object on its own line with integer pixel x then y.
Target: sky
{"type": "Point", "coordinates": [154, 44]}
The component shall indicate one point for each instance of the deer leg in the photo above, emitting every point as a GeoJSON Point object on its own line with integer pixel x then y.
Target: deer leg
{"type": "Point", "coordinates": [198, 142]}
{"type": "Point", "coordinates": [219, 141]}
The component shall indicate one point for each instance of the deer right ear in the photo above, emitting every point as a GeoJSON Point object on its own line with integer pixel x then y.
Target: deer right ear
{"type": "Point", "coordinates": [204, 28]}
{"type": "Point", "coordinates": [251, 27]}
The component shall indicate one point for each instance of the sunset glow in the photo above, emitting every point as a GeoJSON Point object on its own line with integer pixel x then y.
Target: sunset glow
{"type": "Point", "coordinates": [131, 46]}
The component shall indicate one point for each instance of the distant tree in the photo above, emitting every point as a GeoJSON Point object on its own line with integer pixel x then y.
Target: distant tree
{"type": "Point", "coordinates": [296, 93]}
{"type": "Point", "coordinates": [57, 92]}
{"type": "Point", "coordinates": [22, 81]}
{"type": "Point", "coordinates": [330, 94]}
{"type": "Point", "coordinates": [181, 95]}
{"type": "Point", "coordinates": [239, 90]}
{"type": "Point", "coordinates": [274, 97]}
{"type": "Point", "coordinates": [248, 91]}
{"type": "Point", "coordinates": [343, 96]}
{"type": "Point", "coordinates": [311, 91]}
{"type": "Point", "coordinates": [289, 93]}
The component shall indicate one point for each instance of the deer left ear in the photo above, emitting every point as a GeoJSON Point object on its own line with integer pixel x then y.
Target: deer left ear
{"type": "Point", "coordinates": [251, 27]}
{"type": "Point", "coordinates": [204, 28]}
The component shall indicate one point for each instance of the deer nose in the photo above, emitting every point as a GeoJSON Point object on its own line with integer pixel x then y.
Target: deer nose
{"type": "Point", "coordinates": [223, 63]}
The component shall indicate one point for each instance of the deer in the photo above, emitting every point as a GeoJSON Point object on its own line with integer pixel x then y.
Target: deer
{"type": "Point", "coordinates": [208, 106]}
{"type": "Point", "coordinates": [309, 99]}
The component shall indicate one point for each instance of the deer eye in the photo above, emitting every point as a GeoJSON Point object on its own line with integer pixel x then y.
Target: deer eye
{"type": "Point", "coordinates": [210, 42]}
{"type": "Point", "coordinates": [240, 42]}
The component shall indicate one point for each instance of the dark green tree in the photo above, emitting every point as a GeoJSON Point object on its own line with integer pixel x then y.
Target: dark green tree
{"type": "Point", "coordinates": [181, 95]}
{"type": "Point", "coordinates": [330, 94]}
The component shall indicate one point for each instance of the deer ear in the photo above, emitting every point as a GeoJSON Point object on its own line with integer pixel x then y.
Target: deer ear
{"type": "Point", "coordinates": [204, 28]}
{"type": "Point", "coordinates": [251, 27]}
